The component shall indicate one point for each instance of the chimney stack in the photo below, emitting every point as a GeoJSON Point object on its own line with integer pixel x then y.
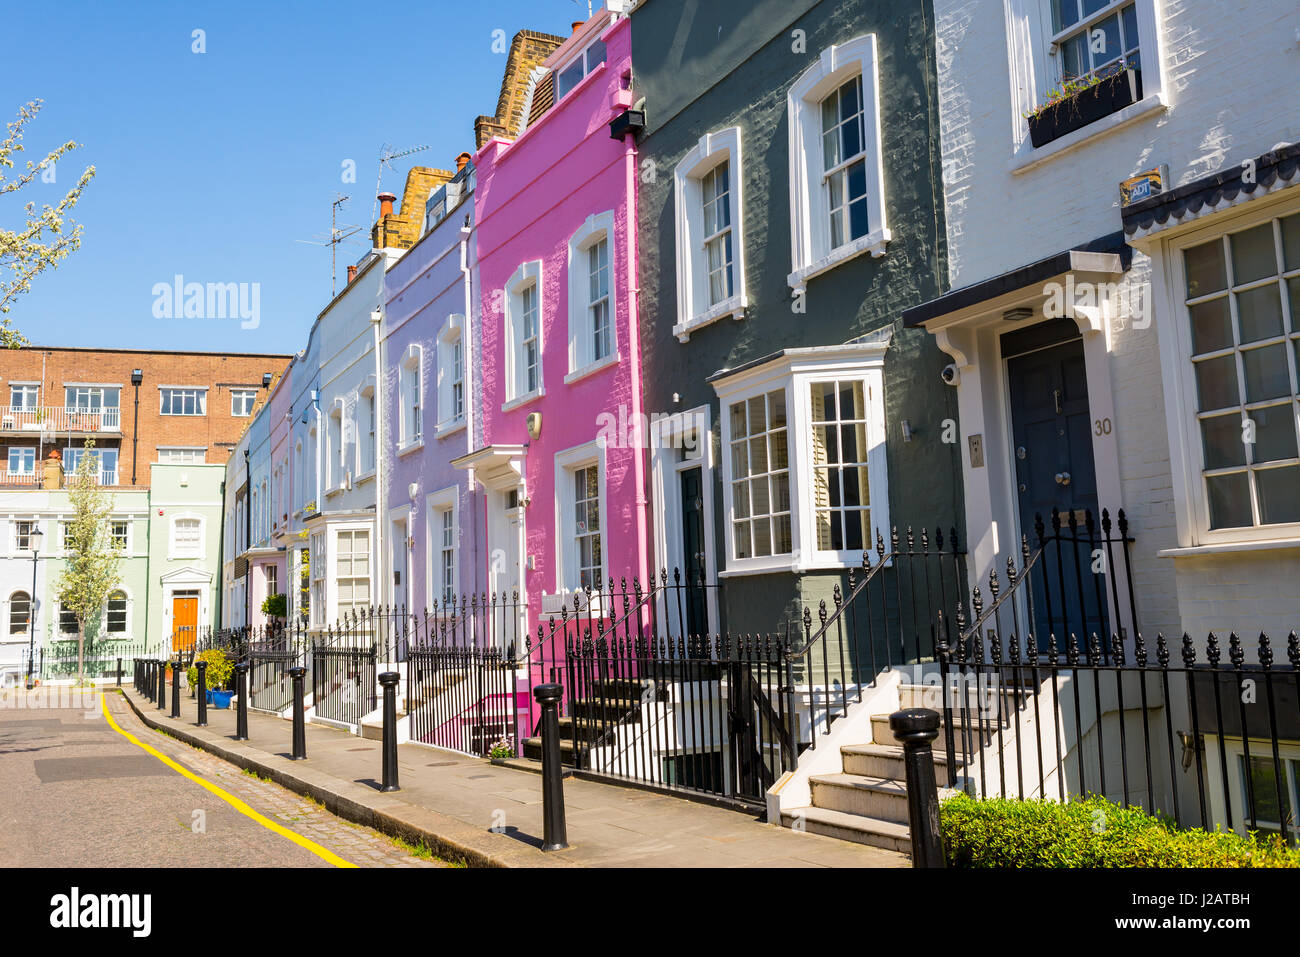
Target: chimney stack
{"type": "Point", "coordinates": [352, 273]}
{"type": "Point", "coordinates": [386, 201]}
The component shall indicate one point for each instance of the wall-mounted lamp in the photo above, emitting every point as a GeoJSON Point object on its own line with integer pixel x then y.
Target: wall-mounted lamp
{"type": "Point", "coordinates": [907, 431]}
{"type": "Point", "coordinates": [266, 380]}
{"type": "Point", "coordinates": [1017, 314]}
{"type": "Point", "coordinates": [1190, 746]}
{"type": "Point", "coordinates": [137, 376]}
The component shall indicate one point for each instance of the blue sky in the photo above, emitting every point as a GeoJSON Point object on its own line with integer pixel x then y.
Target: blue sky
{"type": "Point", "coordinates": [212, 165]}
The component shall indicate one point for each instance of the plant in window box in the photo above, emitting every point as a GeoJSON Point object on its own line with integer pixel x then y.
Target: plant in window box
{"type": "Point", "coordinates": [1079, 102]}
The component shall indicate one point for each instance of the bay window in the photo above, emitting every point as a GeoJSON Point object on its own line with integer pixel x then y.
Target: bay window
{"type": "Point", "coordinates": [1241, 304]}
{"type": "Point", "coordinates": [804, 468]}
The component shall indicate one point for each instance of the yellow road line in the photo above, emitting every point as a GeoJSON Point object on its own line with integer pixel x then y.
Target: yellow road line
{"type": "Point", "coordinates": [226, 796]}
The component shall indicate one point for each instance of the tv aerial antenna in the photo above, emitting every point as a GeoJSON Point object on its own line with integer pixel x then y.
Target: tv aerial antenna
{"type": "Point", "coordinates": [338, 234]}
{"type": "Point", "coordinates": [386, 156]}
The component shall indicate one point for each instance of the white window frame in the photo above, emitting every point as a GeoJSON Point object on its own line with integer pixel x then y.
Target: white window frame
{"type": "Point", "coordinates": [126, 632]}
{"type": "Point", "coordinates": [582, 344]}
{"type": "Point", "coordinates": [25, 388]}
{"type": "Point", "coordinates": [810, 252]}
{"type": "Point", "coordinates": [794, 373]}
{"type": "Point", "coordinates": [1259, 748]}
{"type": "Point", "coordinates": [9, 633]}
{"type": "Point", "coordinates": [9, 459]}
{"type": "Point", "coordinates": [201, 400]}
{"type": "Point", "coordinates": [411, 386]}
{"type": "Point", "coordinates": [126, 546]}
{"type": "Point", "coordinates": [335, 448]}
{"type": "Point", "coordinates": [335, 578]}
{"type": "Point", "coordinates": [33, 523]}
{"type": "Point", "coordinates": [366, 423]}
{"type": "Point", "coordinates": [174, 549]}
{"type": "Point", "coordinates": [450, 336]}
{"type": "Point", "coordinates": [1186, 452]}
{"type": "Point", "coordinates": [693, 309]}
{"type": "Point", "coordinates": [588, 68]}
{"type": "Point", "coordinates": [250, 395]}
{"type": "Point", "coordinates": [201, 450]}
{"type": "Point", "coordinates": [437, 504]}
{"type": "Point", "coordinates": [1034, 72]}
{"type": "Point", "coordinates": [528, 274]}
{"type": "Point", "coordinates": [566, 550]}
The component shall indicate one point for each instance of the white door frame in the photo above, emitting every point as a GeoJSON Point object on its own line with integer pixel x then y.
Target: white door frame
{"type": "Point", "coordinates": [666, 466]}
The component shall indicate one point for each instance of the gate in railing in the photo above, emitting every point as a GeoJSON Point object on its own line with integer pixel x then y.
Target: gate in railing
{"type": "Point", "coordinates": [1035, 713]}
{"type": "Point", "coordinates": [461, 697]}
{"type": "Point", "coordinates": [707, 715]}
{"type": "Point", "coordinates": [343, 682]}
{"type": "Point", "coordinates": [270, 688]}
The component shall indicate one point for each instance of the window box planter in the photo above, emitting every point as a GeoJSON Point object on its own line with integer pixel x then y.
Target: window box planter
{"type": "Point", "coordinates": [1108, 96]}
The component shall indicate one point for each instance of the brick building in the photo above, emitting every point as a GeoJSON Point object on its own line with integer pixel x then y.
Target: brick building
{"type": "Point", "coordinates": [140, 407]}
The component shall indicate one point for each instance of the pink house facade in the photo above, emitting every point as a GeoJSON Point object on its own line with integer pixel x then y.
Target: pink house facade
{"type": "Point", "coordinates": [561, 461]}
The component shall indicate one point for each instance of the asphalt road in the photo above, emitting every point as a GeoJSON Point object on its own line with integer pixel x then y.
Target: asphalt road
{"type": "Point", "coordinates": [74, 792]}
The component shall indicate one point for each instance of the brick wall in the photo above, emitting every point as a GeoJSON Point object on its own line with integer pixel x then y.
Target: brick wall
{"type": "Point", "coordinates": [217, 431]}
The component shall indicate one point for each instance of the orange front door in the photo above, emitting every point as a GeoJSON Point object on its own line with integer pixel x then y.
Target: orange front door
{"type": "Point", "coordinates": [185, 619]}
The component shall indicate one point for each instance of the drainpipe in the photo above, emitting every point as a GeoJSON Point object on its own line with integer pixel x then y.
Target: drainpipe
{"type": "Point", "coordinates": [381, 560]}
{"type": "Point", "coordinates": [221, 562]}
{"type": "Point", "coordinates": [471, 407]}
{"type": "Point", "coordinates": [634, 358]}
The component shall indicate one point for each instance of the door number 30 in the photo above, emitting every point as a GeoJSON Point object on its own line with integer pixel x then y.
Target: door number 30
{"type": "Point", "coordinates": [1101, 426]}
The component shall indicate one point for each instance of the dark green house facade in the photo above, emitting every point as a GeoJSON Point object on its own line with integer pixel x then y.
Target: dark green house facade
{"type": "Point", "coordinates": [790, 208]}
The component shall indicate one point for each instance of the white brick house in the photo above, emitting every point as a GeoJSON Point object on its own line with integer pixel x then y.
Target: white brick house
{"type": "Point", "coordinates": [1020, 218]}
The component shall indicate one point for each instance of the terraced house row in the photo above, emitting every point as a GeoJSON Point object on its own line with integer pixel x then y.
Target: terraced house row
{"type": "Point", "coordinates": [762, 368]}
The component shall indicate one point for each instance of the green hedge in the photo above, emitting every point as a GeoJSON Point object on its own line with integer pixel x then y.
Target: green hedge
{"type": "Point", "coordinates": [1091, 833]}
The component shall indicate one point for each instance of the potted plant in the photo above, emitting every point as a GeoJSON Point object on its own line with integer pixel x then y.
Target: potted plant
{"type": "Point", "coordinates": [1078, 102]}
{"type": "Point", "coordinates": [275, 606]}
{"type": "Point", "coordinates": [216, 679]}
{"type": "Point", "coordinates": [502, 750]}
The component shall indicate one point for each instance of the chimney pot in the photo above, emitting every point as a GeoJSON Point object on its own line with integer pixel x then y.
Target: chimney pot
{"type": "Point", "coordinates": [461, 160]}
{"type": "Point", "coordinates": [352, 273]}
{"type": "Point", "coordinates": [386, 201]}
{"type": "Point", "coordinates": [576, 24]}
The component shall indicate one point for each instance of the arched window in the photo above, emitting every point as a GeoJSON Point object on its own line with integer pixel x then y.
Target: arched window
{"type": "Point", "coordinates": [117, 613]}
{"type": "Point", "coordinates": [20, 612]}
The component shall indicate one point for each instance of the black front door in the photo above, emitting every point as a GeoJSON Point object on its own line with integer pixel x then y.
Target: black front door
{"type": "Point", "coordinates": [697, 622]}
{"type": "Point", "coordinates": [1052, 432]}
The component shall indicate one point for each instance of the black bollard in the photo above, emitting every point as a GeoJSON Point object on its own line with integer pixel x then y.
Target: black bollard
{"type": "Point", "coordinates": [119, 672]}
{"type": "Point", "coordinates": [915, 728]}
{"type": "Point", "coordinates": [241, 704]}
{"type": "Point", "coordinates": [176, 688]}
{"type": "Point", "coordinates": [202, 692]}
{"type": "Point", "coordinates": [299, 722]}
{"type": "Point", "coordinates": [162, 684]}
{"type": "Point", "coordinates": [389, 680]}
{"type": "Point", "coordinates": [554, 833]}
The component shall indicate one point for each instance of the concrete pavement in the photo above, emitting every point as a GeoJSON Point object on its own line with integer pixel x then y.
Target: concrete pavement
{"type": "Point", "coordinates": [489, 815]}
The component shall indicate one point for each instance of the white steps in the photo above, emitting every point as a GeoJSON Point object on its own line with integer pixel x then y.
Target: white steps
{"type": "Point", "coordinates": [866, 801]}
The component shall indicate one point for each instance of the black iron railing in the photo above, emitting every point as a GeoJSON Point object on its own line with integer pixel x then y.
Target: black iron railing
{"type": "Point", "coordinates": [1028, 712]}
{"type": "Point", "coordinates": [343, 682]}
{"type": "Point", "coordinates": [698, 714]}
{"type": "Point", "coordinates": [887, 617]}
{"type": "Point", "coordinates": [462, 697]}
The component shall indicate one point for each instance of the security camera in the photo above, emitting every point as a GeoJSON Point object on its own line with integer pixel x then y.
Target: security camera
{"type": "Point", "coordinates": [950, 375]}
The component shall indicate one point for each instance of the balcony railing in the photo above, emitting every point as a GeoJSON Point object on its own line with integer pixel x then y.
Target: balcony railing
{"type": "Point", "coordinates": [59, 419]}
{"type": "Point", "coordinates": [33, 479]}
{"type": "Point", "coordinates": [30, 479]}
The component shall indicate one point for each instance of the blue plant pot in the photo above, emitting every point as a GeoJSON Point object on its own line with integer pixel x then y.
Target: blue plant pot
{"type": "Point", "coordinates": [207, 693]}
{"type": "Point", "coordinates": [221, 699]}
